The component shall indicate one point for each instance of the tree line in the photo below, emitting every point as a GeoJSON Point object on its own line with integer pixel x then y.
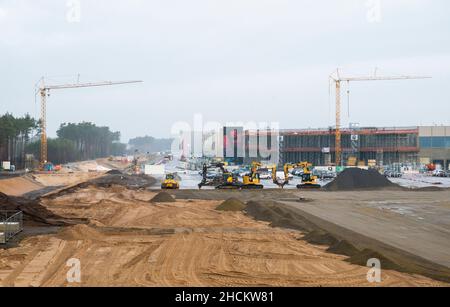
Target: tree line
{"type": "Point", "coordinates": [15, 134]}
{"type": "Point", "coordinates": [81, 142]}
{"type": "Point", "coordinates": [149, 144]}
{"type": "Point", "coordinates": [19, 137]}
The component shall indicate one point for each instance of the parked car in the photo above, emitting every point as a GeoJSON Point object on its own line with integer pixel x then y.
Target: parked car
{"type": "Point", "coordinates": [328, 175]}
{"type": "Point", "coordinates": [439, 173]}
{"type": "Point", "coordinates": [393, 174]}
{"type": "Point", "coordinates": [265, 176]}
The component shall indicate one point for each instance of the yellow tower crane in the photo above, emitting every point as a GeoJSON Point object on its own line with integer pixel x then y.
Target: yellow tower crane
{"type": "Point", "coordinates": [335, 77]}
{"type": "Point", "coordinates": [44, 91]}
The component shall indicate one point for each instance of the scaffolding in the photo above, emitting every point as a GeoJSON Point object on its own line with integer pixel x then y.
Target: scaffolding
{"type": "Point", "coordinates": [386, 145]}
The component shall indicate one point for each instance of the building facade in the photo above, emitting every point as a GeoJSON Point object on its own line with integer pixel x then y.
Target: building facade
{"type": "Point", "coordinates": [435, 146]}
{"type": "Point", "coordinates": [384, 146]}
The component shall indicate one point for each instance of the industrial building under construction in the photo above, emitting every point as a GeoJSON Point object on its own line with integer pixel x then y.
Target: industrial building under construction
{"type": "Point", "coordinates": [382, 146]}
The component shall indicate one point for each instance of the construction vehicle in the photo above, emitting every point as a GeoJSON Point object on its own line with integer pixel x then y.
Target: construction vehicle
{"type": "Point", "coordinates": [170, 183]}
{"type": "Point", "coordinates": [309, 181]}
{"type": "Point", "coordinates": [252, 179]}
{"type": "Point", "coordinates": [226, 179]}
{"type": "Point", "coordinates": [229, 180]}
{"type": "Point", "coordinates": [275, 180]}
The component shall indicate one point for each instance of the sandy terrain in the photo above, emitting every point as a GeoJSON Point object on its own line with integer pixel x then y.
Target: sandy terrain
{"type": "Point", "coordinates": [18, 186]}
{"type": "Point", "coordinates": [131, 242]}
{"type": "Point", "coordinates": [64, 179]}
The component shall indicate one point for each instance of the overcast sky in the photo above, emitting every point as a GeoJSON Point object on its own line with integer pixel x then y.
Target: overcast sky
{"type": "Point", "coordinates": [230, 60]}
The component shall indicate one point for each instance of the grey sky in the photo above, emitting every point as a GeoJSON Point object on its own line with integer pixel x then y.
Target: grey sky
{"type": "Point", "coordinates": [231, 60]}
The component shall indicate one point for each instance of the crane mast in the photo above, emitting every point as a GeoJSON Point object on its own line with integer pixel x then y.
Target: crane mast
{"type": "Point", "coordinates": [338, 81]}
{"type": "Point", "coordinates": [44, 91]}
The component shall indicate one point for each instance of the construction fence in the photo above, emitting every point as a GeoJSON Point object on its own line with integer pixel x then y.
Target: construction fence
{"type": "Point", "coordinates": [11, 224]}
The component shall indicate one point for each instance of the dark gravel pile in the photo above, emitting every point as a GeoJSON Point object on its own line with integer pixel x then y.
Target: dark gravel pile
{"type": "Point", "coordinates": [231, 204]}
{"type": "Point", "coordinates": [114, 172]}
{"type": "Point", "coordinates": [163, 197]}
{"type": "Point", "coordinates": [359, 179]}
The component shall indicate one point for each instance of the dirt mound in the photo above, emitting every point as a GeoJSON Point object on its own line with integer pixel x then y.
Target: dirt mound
{"type": "Point", "coordinates": [114, 172]}
{"type": "Point", "coordinates": [231, 204]}
{"type": "Point", "coordinates": [18, 186]}
{"type": "Point", "coordinates": [343, 248]}
{"type": "Point", "coordinates": [321, 238]}
{"type": "Point", "coordinates": [361, 258]}
{"type": "Point", "coordinates": [163, 197]}
{"type": "Point", "coordinates": [34, 213]}
{"type": "Point", "coordinates": [80, 233]}
{"type": "Point", "coordinates": [134, 182]}
{"type": "Point", "coordinates": [359, 179]}
{"type": "Point", "coordinates": [270, 211]}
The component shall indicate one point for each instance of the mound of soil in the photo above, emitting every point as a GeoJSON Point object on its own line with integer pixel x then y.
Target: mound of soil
{"type": "Point", "coordinates": [361, 258]}
{"type": "Point", "coordinates": [270, 211]}
{"type": "Point", "coordinates": [80, 232]}
{"type": "Point", "coordinates": [231, 204]}
{"type": "Point", "coordinates": [114, 172]}
{"type": "Point", "coordinates": [133, 182]}
{"type": "Point", "coordinates": [321, 238]}
{"type": "Point", "coordinates": [343, 248]}
{"type": "Point", "coordinates": [359, 179]}
{"type": "Point", "coordinates": [34, 214]}
{"type": "Point", "coordinates": [163, 197]}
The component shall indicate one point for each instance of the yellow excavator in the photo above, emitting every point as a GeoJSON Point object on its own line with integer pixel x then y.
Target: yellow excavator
{"type": "Point", "coordinates": [170, 183]}
{"type": "Point", "coordinates": [227, 181]}
{"type": "Point", "coordinates": [252, 180]}
{"type": "Point", "coordinates": [309, 181]}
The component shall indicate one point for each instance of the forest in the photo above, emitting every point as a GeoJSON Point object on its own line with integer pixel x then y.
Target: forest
{"type": "Point", "coordinates": [15, 134]}
{"type": "Point", "coordinates": [149, 144]}
{"type": "Point", "coordinates": [19, 139]}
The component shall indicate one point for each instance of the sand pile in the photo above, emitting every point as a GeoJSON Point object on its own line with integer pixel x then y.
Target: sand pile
{"type": "Point", "coordinates": [357, 179]}
{"type": "Point", "coordinates": [34, 213]}
{"type": "Point", "coordinates": [163, 197]}
{"type": "Point", "coordinates": [134, 182]}
{"type": "Point", "coordinates": [80, 233]}
{"type": "Point", "coordinates": [19, 186]}
{"type": "Point", "coordinates": [231, 204]}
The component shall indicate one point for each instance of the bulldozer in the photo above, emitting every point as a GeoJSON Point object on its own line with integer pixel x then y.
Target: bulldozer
{"type": "Point", "coordinates": [170, 183]}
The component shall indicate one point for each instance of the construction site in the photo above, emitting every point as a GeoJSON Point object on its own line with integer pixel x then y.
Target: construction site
{"type": "Point", "coordinates": [174, 219]}
{"type": "Point", "coordinates": [345, 205]}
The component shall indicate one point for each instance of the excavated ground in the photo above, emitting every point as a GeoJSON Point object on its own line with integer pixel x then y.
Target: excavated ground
{"type": "Point", "coordinates": [128, 240]}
